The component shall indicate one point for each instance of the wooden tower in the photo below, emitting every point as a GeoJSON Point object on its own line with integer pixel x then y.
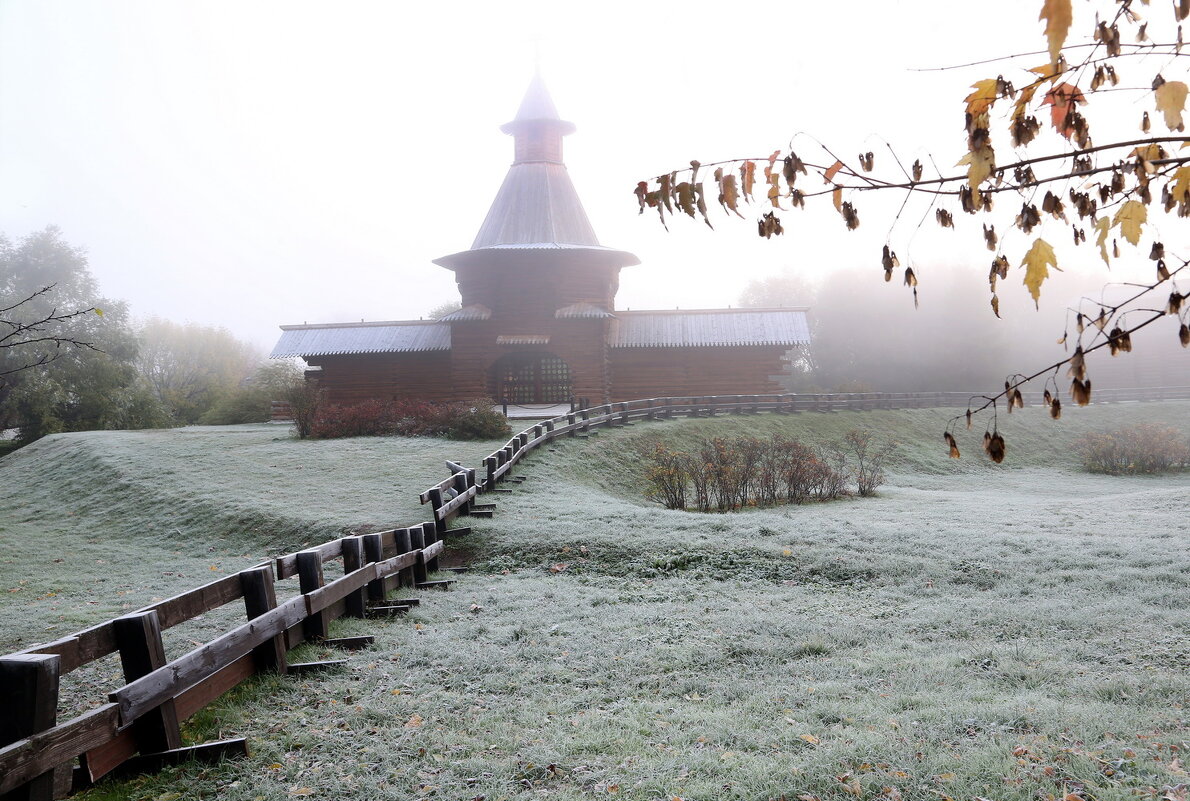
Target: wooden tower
{"type": "Point", "coordinates": [537, 288]}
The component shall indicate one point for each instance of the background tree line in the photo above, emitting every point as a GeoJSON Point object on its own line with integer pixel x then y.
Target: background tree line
{"type": "Point", "coordinates": [866, 338]}
{"type": "Point", "coordinates": [73, 360]}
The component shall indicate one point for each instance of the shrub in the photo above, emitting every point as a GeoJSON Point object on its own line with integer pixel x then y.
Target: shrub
{"type": "Point", "coordinates": [727, 474]}
{"type": "Point", "coordinates": [240, 405]}
{"type": "Point", "coordinates": [304, 400]}
{"type": "Point", "coordinates": [870, 457]}
{"type": "Point", "coordinates": [410, 418]}
{"type": "Point", "coordinates": [1145, 448]}
{"type": "Point", "coordinates": [476, 420]}
{"type": "Point", "coordinates": [371, 418]}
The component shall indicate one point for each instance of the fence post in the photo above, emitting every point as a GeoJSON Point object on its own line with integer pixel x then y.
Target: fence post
{"type": "Point", "coordinates": [310, 578]}
{"type": "Point", "coordinates": [404, 542]}
{"type": "Point", "coordinates": [28, 705]}
{"type": "Point", "coordinates": [464, 481]}
{"type": "Point", "coordinates": [586, 413]}
{"type": "Point", "coordinates": [260, 595]}
{"type": "Point", "coordinates": [138, 637]}
{"type": "Point", "coordinates": [353, 560]}
{"type": "Point", "coordinates": [489, 465]}
{"type": "Point", "coordinates": [417, 540]}
{"type": "Point", "coordinates": [571, 418]}
{"type": "Point", "coordinates": [374, 551]}
{"type": "Point", "coordinates": [430, 538]}
{"type": "Point", "coordinates": [549, 428]}
{"type": "Point", "coordinates": [436, 504]}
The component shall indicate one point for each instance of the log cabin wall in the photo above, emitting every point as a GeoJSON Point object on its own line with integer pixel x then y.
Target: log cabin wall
{"type": "Point", "coordinates": [664, 372]}
{"type": "Point", "coordinates": [536, 290]}
{"type": "Point", "coordinates": [580, 343]}
{"type": "Point", "coordinates": [353, 378]}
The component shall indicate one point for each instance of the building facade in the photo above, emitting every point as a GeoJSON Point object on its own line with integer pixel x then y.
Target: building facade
{"type": "Point", "coordinates": [538, 323]}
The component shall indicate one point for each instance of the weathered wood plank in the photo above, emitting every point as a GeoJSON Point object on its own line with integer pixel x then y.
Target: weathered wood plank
{"type": "Point", "coordinates": [260, 595]}
{"type": "Point", "coordinates": [147, 692]}
{"type": "Point", "coordinates": [42, 752]}
{"type": "Point", "coordinates": [321, 598]}
{"type": "Point", "coordinates": [193, 699]}
{"type": "Point", "coordinates": [287, 565]}
{"type": "Point", "coordinates": [189, 605]}
{"type": "Point", "coordinates": [141, 653]}
{"type": "Point", "coordinates": [80, 648]}
{"type": "Point", "coordinates": [206, 753]}
{"type": "Point", "coordinates": [29, 706]}
{"type": "Point", "coordinates": [458, 501]}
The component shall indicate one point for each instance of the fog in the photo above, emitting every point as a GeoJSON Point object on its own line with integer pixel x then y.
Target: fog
{"type": "Point", "coordinates": [251, 165]}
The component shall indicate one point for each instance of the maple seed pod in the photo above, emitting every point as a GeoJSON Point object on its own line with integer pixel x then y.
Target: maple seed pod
{"type": "Point", "coordinates": [954, 446]}
{"type": "Point", "coordinates": [1055, 408]}
{"type": "Point", "coordinates": [993, 445]}
{"type": "Point", "coordinates": [1184, 336]}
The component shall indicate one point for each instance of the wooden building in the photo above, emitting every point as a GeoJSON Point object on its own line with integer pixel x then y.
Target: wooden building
{"type": "Point", "coordinates": [538, 322]}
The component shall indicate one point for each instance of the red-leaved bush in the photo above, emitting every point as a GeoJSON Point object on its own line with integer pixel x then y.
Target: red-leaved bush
{"type": "Point", "coordinates": [409, 418]}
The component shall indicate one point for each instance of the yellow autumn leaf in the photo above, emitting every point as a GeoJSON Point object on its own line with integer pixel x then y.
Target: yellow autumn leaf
{"type": "Point", "coordinates": [1058, 17]}
{"type": "Point", "coordinates": [301, 791]}
{"type": "Point", "coordinates": [1171, 101]}
{"type": "Point", "coordinates": [1181, 185]}
{"type": "Point", "coordinates": [99, 312]}
{"type": "Point", "coordinates": [979, 101]}
{"type": "Point", "coordinates": [1130, 217]}
{"type": "Point", "coordinates": [414, 722]}
{"type": "Point", "coordinates": [980, 164]}
{"type": "Point", "coordinates": [810, 738]}
{"type": "Point", "coordinates": [1023, 99]}
{"type": "Point", "coordinates": [1036, 263]}
{"type": "Point", "coordinates": [1103, 226]}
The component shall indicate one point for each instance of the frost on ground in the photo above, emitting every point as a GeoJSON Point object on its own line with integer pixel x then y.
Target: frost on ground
{"type": "Point", "coordinates": [1008, 632]}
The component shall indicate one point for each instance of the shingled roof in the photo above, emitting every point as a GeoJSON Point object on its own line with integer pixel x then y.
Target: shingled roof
{"type": "Point", "coordinates": [710, 328]}
{"type": "Point", "coordinates": [402, 336]}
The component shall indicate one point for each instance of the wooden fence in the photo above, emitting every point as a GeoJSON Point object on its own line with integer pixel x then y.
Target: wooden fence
{"type": "Point", "coordinates": [138, 729]}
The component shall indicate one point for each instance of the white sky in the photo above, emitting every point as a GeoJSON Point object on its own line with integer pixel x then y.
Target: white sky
{"type": "Point", "coordinates": [249, 164]}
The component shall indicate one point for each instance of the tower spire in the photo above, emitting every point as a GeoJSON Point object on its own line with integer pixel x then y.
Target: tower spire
{"type": "Point", "coordinates": [537, 128]}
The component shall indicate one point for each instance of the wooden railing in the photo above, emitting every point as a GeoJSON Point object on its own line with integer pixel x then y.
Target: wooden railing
{"type": "Point", "coordinates": [138, 728]}
{"type": "Point", "coordinates": [142, 717]}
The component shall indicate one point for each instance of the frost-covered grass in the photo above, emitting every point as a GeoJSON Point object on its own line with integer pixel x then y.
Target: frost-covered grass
{"type": "Point", "coordinates": [1017, 631]}
{"type": "Point", "coordinates": [97, 523]}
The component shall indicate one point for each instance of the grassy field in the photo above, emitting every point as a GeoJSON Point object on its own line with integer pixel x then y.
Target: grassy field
{"type": "Point", "coordinates": [1019, 631]}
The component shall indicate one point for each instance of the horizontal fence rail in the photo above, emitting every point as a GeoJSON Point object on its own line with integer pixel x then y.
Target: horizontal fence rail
{"type": "Point", "coordinates": [139, 726]}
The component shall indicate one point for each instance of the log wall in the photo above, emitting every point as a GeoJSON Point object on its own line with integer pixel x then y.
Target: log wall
{"type": "Point", "coordinates": [354, 378]}
{"type": "Point", "coordinates": [653, 372]}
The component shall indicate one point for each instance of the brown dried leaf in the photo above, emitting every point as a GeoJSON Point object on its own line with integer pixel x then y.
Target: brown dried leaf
{"type": "Point", "coordinates": [831, 172]}
{"type": "Point", "coordinates": [954, 446]}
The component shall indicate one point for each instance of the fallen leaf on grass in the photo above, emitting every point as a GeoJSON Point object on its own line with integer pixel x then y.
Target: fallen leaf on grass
{"type": "Point", "coordinates": [810, 738]}
{"type": "Point", "coordinates": [414, 722]}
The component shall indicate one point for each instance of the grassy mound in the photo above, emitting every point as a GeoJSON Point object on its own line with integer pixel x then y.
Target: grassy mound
{"type": "Point", "coordinates": [1014, 631]}
{"type": "Point", "coordinates": [96, 523]}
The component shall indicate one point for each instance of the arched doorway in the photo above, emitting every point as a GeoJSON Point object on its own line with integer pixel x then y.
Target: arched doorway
{"type": "Point", "coordinates": [530, 378]}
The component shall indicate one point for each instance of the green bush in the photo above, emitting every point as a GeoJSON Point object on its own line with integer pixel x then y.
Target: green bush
{"type": "Point", "coordinates": [240, 405]}
{"type": "Point", "coordinates": [476, 420]}
{"type": "Point", "coordinates": [1144, 448]}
